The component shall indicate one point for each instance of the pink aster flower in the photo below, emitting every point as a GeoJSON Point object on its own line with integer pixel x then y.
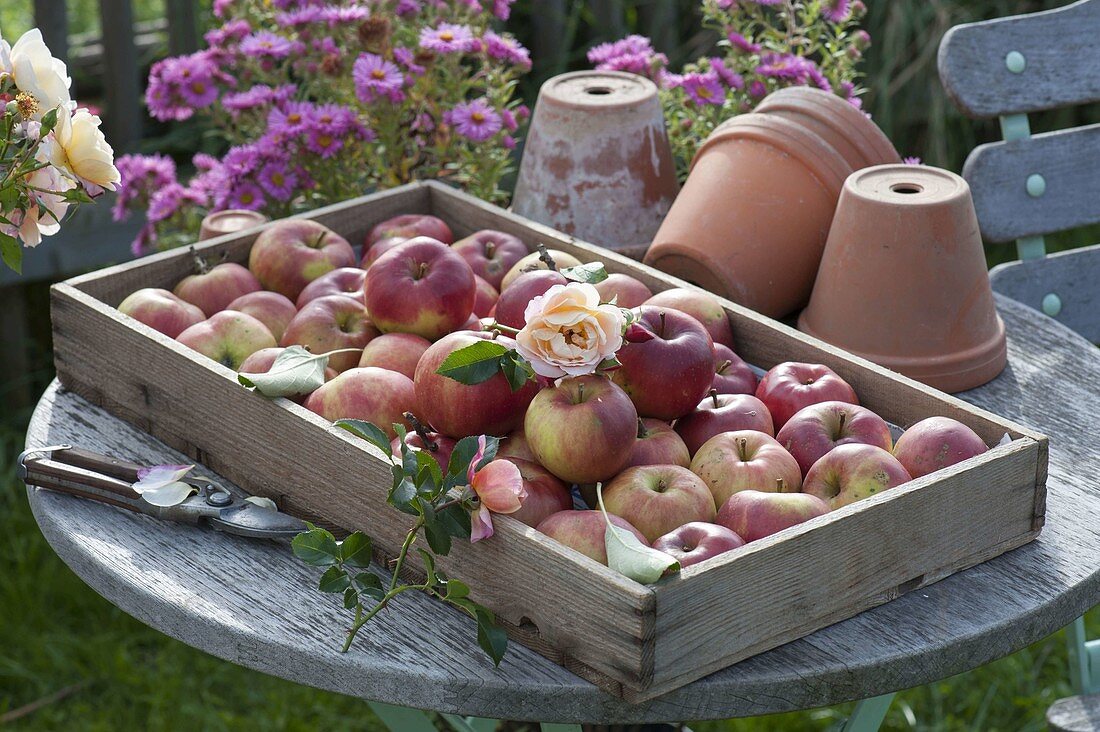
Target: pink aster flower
{"type": "Point", "coordinates": [786, 66]}
{"type": "Point", "coordinates": [405, 8]}
{"type": "Point", "coordinates": [266, 45]}
{"type": "Point", "coordinates": [502, 8]}
{"type": "Point", "coordinates": [499, 488]}
{"type": "Point", "coordinates": [448, 38]}
{"type": "Point", "coordinates": [835, 10]}
{"type": "Point", "coordinates": [277, 181]}
{"type": "Point", "coordinates": [376, 77]}
{"type": "Point", "coordinates": [247, 195]}
{"type": "Point", "coordinates": [911, 160]}
{"type": "Point", "coordinates": [140, 177]}
{"type": "Point", "coordinates": [339, 16]}
{"type": "Point", "coordinates": [474, 120]}
{"type": "Point", "coordinates": [506, 49]}
{"type": "Point", "coordinates": [703, 88]}
{"type": "Point", "coordinates": [742, 44]}
{"type": "Point", "coordinates": [729, 77]}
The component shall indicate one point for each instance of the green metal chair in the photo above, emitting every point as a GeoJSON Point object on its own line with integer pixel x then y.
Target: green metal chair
{"type": "Point", "coordinates": [1031, 185]}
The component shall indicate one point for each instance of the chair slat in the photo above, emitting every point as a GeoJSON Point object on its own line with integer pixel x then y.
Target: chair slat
{"type": "Point", "coordinates": [1066, 196]}
{"type": "Point", "coordinates": [1073, 277]}
{"type": "Point", "coordinates": [1061, 61]}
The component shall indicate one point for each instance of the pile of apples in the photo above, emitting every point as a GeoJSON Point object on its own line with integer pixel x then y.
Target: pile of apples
{"type": "Point", "coordinates": [695, 455]}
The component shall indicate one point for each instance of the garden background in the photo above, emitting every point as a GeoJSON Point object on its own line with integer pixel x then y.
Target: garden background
{"type": "Point", "coordinates": [70, 659]}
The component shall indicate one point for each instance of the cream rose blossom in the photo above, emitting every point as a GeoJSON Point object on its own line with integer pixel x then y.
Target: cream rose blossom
{"type": "Point", "coordinates": [568, 331]}
{"type": "Point", "coordinates": [77, 147]}
{"type": "Point", "coordinates": [37, 72]}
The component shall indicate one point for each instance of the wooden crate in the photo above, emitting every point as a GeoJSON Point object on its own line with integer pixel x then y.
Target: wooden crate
{"type": "Point", "coordinates": [633, 640]}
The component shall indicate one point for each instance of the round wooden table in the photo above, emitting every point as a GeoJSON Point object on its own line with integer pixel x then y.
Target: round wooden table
{"type": "Point", "coordinates": [252, 603]}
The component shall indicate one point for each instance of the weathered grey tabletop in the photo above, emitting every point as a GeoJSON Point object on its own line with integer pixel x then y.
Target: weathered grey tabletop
{"type": "Point", "coordinates": [252, 603]}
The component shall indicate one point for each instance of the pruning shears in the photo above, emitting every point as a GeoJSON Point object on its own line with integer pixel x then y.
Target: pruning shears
{"type": "Point", "coordinates": [102, 478]}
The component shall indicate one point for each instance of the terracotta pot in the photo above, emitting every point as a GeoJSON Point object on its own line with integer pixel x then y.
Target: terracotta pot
{"type": "Point", "coordinates": [843, 126]}
{"type": "Point", "coordinates": [229, 221]}
{"type": "Point", "coordinates": [597, 163]}
{"type": "Point", "coordinates": [903, 279]}
{"type": "Point", "coordinates": [752, 219]}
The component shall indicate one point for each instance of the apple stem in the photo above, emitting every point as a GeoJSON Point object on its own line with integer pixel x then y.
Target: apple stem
{"type": "Point", "coordinates": [642, 431]}
{"type": "Point", "coordinates": [843, 416]}
{"type": "Point", "coordinates": [544, 255]}
{"type": "Point", "coordinates": [723, 366]}
{"type": "Point", "coordinates": [320, 238]}
{"type": "Point", "coordinates": [421, 270]}
{"type": "Point", "coordinates": [661, 315]}
{"type": "Point", "coordinates": [490, 249]}
{"type": "Point", "coordinates": [580, 392]}
{"type": "Point", "coordinates": [422, 432]}
{"type": "Point", "coordinates": [200, 263]}
{"type": "Point", "coordinates": [780, 485]}
{"type": "Point", "coordinates": [714, 397]}
{"type": "Point", "coordinates": [743, 449]}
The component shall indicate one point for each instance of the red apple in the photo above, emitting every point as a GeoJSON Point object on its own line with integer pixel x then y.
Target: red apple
{"type": "Point", "coordinates": [753, 515]}
{"type": "Point", "coordinates": [398, 352]}
{"type": "Point", "coordinates": [718, 413]}
{"type": "Point", "coordinates": [818, 428]}
{"type": "Point", "coordinates": [472, 323]}
{"type": "Point", "coordinates": [438, 446]}
{"type": "Point", "coordinates": [790, 386]}
{"type": "Point", "coordinates": [546, 495]}
{"type": "Point", "coordinates": [693, 542]}
{"type": "Point", "coordinates": [371, 394]}
{"type": "Point", "coordinates": [347, 281]}
{"type": "Point", "coordinates": [667, 375]}
{"type": "Point", "coordinates": [935, 443]}
{"type": "Point", "coordinates": [702, 306]}
{"type": "Point", "coordinates": [228, 337]}
{"type": "Point", "coordinates": [410, 225]}
{"type": "Point", "coordinates": [213, 289]}
{"type": "Point", "coordinates": [584, 531]}
{"type": "Point", "coordinates": [581, 430]}
{"type": "Point", "coordinates": [291, 253]}
{"type": "Point", "coordinates": [380, 247]}
{"type": "Point", "coordinates": [512, 303]}
{"type": "Point", "coordinates": [627, 291]}
{"type": "Point", "coordinates": [491, 254]}
{"type": "Point", "coordinates": [270, 308]}
{"type": "Point", "coordinates": [658, 444]}
{"type": "Point", "coordinates": [458, 410]}
{"type": "Point", "coordinates": [262, 360]}
{"type": "Point", "coordinates": [745, 460]}
{"type": "Point", "coordinates": [531, 262]}
{"type": "Point", "coordinates": [658, 498]}
{"type": "Point", "coordinates": [331, 323]}
{"type": "Point", "coordinates": [731, 374]}
{"type": "Point", "coordinates": [515, 446]}
{"type": "Point", "coordinates": [420, 286]}
{"type": "Point", "coordinates": [850, 472]}
{"type": "Point", "coordinates": [161, 310]}
{"type": "Point", "coordinates": [485, 297]}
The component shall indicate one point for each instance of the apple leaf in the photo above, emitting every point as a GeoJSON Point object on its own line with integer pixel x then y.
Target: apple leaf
{"type": "Point", "coordinates": [473, 364]}
{"type": "Point", "coordinates": [295, 371]}
{"type": "Point", "coordinates": [631, 557]}
{"type": "Point", "coordinates": [11, 253]}
{"type": "Point", "coordinates": [592, 272]}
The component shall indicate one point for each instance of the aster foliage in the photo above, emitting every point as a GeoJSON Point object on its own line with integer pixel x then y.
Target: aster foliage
{"type": "Point", "coordinates": [323, 100]}
{"type": "Point", "coordinates": [765, 45]}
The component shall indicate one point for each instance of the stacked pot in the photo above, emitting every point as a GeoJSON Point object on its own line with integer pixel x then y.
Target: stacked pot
{"type": "Point", "coordinates": [754, 214]}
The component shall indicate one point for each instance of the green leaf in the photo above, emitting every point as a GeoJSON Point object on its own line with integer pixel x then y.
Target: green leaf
{"type": "Point", "coordinates": [317, 547]}
{"type": "Point", "coordinates": [295, 372]}
{"type": "Point", "coordinates": [459, 464]}
{"type": "Point", "coordinates": [367, 583]}
{"type": "Point", "coordinates": [49, 121]}
{"type": "Point", "coordinates": [455, 521]}
{"type": "Point", "coordinates": [402, 495]}
{"type": "Point", "coordinates": [592, 272]}
{"type": "Point", "coordinates": [11, 253]}
{"type": "Point", "coordinates": [370, 432]}
{"type": "Point", "coordinates": [9, 197]}
{"type": "Point", "coordinates": [77, 195]}
{"type": "Point", "coordinates": [457, 590]}
{"type": "Point", "coordinates": [473, 364]}
{"type": "Point", "coordinates": [631, 557]}
{"type": "Point", "coordinates": [334, 579]}
{"type": "Point", "coordinates": [516, 370]}
{"type": "Point", "coordinates": [428, 472]}
{"type": "Point", "coordinates": [490, 636]}
{"type": "Point", "coordinates": [438, 538]}
{"type": "Point", "coordinates": [355, 551]}
{"type": "Point", "coordinates": [351, 598]}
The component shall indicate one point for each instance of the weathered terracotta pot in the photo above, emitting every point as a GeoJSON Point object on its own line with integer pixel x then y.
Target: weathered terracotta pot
{"type": "Point", "coordinates": [903, 279]}
{"type": "Point", "coordinates": [754, 214]}
{"type": "Point", "coordinates": [597, 163]}
{"type": "Point", "coordinates": [229, 221]}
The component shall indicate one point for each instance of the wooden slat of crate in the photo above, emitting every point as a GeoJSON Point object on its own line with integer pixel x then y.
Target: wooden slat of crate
{"type": "Point", "coordinates": [628, 638]}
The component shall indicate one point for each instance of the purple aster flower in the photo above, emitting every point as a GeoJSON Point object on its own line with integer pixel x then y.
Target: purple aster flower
{"type": "Point", "coordinates": [506, 49]}
{"type": "Point", "coordinates": [231, 32]}
{"type": "Point", "coordinates": [277, 181]}
{"type": "Point", "coordinates": [167, 201]}
{"type": "Point", "coordinates": [786, 66]}
{"type": "Point", "coordinates": [247, 195]}
{"type": "Point", "coordinates": [509, 120]}
{"type": "Point", "coordinates": [835, 10]}
{"type": "Point", "coordinates": [334, 118]}
{"type": "Point", "coordinates": [474, 120]}
{"type": "Point", "coordinates": [729, 77]}
{"type": "Point", "coordinates": [266, 45]}
{"type": "Point", "coordinates": [179, 85]}
{"type": "Point", "coordinates": [633, 53]}
{"type": "Point", "coordinates": [743, 44]}
{"type": "Point", "coordinates": [502, 8]}
{"type": "Point", "coordinates": [299, 17]}
{"type": "Point", "coordinates": [818, 78]}
{"type": "Point", "coordinates": [290, 119]}
{"type": "Point", "coordinates": [337, 16]}
{"type": "Point", "coordinates": [911, 160]}
{"type": "Point", "coordinates": [220, 6]}
{"type": "Point", "coordinates": [448, 38]}
{"type": "Point", "coordinates": [405, 8]}
{"type": "Point", "coordinates": [407, 58]}
{"type": "Point", "coordinates": [258, 96]}
{"type": "Point", "coordinates": [144, 241]}
{"type": "Point", "coordinates": [140, 175]}
{"type": "Point", "coordinates": [703, 88]}
{"type": "Point", "coordinates": [376, 77]}
{"type": "Point", "coordinates": [508, 142]}
{"type": "Point", "coordinates": [323, 142]}
{"type": "Point", "coordinates": [757, 89]}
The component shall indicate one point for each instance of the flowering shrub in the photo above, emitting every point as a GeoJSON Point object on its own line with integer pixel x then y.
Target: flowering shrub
{"type": "Point", "coordinates": [765, 45]}
{"type": "Point", "coordinates": [52, 154]}
{"type": "Point", "coordinates": [322, 100]}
